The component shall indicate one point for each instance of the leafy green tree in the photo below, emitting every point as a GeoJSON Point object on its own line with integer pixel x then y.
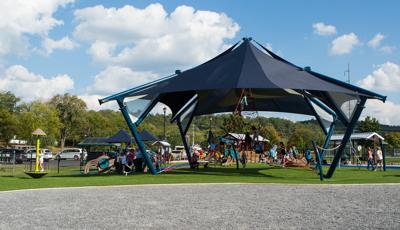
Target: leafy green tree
{"type": "Point", "coordinates": [271, 134]}
{"type": "Point", "coordinates": [71, 111]}
{"type": "Point", "coordinates": [8, 125]}
{"type": "Point", "coordinates": [369, 125]}
{"type": "Point", "coordinates": [393, 139]}
{"type": "Point", "coordinates": [235, 124]}
{"type": "Point", "coordinates": [39, 115]}
{"type": "Point", "coordinates": [8, 119]}
{"type": "Point", "coordinates": [8, 101]}
{"type": "Point", "coordinates": [102, 123]}
{"type": "Point", "coordinates": [303, 135]}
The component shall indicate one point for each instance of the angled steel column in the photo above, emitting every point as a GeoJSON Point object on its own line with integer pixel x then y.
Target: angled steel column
{"type": "Point", "coordinates": [136, 135]}
{"type": "Point", "coordinates": [338, 112]}
{"type": "Point", "coordinates": [182, 131]}
{"type": "Point", "coordinates": [346, 137]}
{"type": "Point", "coordinates": [236, 156]}
{"type": "Point", "coordinates": [383, 155]}
{"type": "Point", "coordinates": [331, 127]}
{"type": "Point", "coordinates": [147, 111]}
{"type": "Point", "coordinates": [183, 135]}
{"type": "Point", "coordinates": [319, 161]}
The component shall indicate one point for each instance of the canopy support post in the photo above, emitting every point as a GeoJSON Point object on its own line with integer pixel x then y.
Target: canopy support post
{"type": "Point", "coordinates": [182, 130]}
{"type": "Point", "coordinates": [331, 127]}
{"type": "Point", "coordinates": [136, 135]}
{"type": "Point", "coordinates": [383, 154]}
{"type": "Point", "coordinates": [147, 111]}
{"type": "Point", "coordinates": [319, 161]}
{"type": "Point", "coordinates": [236, 156]}
{"type": "Point", "coordinates": [183, 135]}
{"type": "Point", "coordinates": [338, 112]}
{"type": "Point", "coordinates": [346, 137]}
{"type": "Point", "coordinates": [320, 155]}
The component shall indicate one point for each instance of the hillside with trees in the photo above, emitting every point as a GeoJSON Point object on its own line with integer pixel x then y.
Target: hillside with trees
{"type": "Point", "coordinates": [67, 121]}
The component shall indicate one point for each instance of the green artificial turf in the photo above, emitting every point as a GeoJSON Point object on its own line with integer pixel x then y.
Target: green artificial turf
{"type": "Point", "coordinates": [254, 173]}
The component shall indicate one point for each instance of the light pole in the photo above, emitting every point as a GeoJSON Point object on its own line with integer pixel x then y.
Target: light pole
{"type": "Point", "coordinates": [165, 136]}
{"type": "Point", "coordinates": [210, 122]}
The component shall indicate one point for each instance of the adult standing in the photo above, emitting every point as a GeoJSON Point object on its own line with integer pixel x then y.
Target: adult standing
{"type": "Point", "coordinates": [379, 157]}
{"type": "Point", "coordinates": [370, 159]}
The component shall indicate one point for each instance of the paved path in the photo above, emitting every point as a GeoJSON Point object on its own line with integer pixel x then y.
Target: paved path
{"type": "Point", "coordinates": [234, 206]}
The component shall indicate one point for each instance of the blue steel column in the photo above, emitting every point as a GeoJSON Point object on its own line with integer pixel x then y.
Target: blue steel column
{"type": "Point", "coordinates": [383, 155]}
{"type": "Point", "coordinates": [319, 161]}
{"type": "Point", "coordinates": [136, 135]}
{"type": "Point", "coordinates": [183, 134]}
{"type": "Point", "coordinates": [236, 155]}
{"type": "Point", "coordinates": [328, 138]}
{"type": "Point", "coordinates": [331, 127]}
{"type": "Point", "coordinates": [346, 137]}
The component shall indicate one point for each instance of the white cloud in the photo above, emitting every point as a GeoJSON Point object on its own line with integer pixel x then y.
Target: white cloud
{"type": "Point", "coordinates": [20, 18]}
{"type": "Point", "coordinates": [387, 113]}
{"type": "Point", "coordinates": [269, 47]}
{"type": "Point", "coordinates": [387, 49]}
{"type": "Point", "coordinates": [92, 102]}
{"type": "Point", "coordinates": [30, 86]}
{"type": "Point", "coordinates": [115, 79]}
{"type": "Point", "coordinates": [64, 43]}
{"type": "Point", "coordinates": [150, 38]}
{"type": "Point", "coordinates": [376, 40]}
{"type": "Point", "coordinates": [322, 29]}
{"type": "Point", "coordinates": [385, 78]}
{"type": "Point", "coordinates": [344, 44]}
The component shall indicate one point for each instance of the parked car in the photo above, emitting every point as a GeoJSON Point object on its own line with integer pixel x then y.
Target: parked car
{"type": "Point", "coordinates": [70, 153]}
{"type": "Point", "coordinates": [31, 154]}
{"type": "Point", "coordinates": [48, 155]}
{"type": "Point", "coordinates": [7, 156]}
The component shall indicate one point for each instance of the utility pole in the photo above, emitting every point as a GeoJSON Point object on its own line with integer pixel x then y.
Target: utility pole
{"type": "Point", "coordinates": [193, 133]}
{"type": "Point", "coordinates": [348, 81]}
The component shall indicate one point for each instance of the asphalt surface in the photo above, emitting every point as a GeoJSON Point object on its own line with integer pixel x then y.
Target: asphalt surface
{"type": "Point", "coordinates": [212, 206]}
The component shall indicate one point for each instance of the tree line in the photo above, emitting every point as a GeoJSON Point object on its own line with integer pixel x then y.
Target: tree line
{"type": "Point", "coordinates": [67, 121]}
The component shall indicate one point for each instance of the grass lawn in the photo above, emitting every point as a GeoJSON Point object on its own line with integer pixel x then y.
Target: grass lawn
{"type": "Point", "coordinates": [254, 173]}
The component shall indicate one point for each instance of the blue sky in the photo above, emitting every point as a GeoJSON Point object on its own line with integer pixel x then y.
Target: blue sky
{"type": "Point", "coordinates": [82, 47]}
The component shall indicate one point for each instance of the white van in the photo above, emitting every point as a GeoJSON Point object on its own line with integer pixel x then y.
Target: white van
{"type": "Point", "coordinates": [31, 154]}
{"type": "Point", "coordinates": [70, 153]}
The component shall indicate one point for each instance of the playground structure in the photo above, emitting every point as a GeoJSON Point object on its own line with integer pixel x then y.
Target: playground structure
{"type": "Point", "coordinates": [39, 156]}
{"type": "Point", "coordinates": [105, 153]}
{"type": "Point", "coordinates": [247, 77]}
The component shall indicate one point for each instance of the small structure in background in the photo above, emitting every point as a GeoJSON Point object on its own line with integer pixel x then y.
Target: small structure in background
{"type": "Point", "coordinates": [357, 144]}
{"type": "Point", "coordinates": [38, 133]}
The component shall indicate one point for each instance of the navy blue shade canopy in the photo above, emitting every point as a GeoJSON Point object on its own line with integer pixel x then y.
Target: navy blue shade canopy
{"type": "Point", "coordinates": [276, 84]}
{"type": "Point", "coordinates": [123, 136]}
{"type": "Point", "coordinates": [147, 136]}
{"type": "Point", "coordinates": [269, 82]}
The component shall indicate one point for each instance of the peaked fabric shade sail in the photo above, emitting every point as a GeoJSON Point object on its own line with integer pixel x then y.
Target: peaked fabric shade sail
{"type": "Point", "coordinates": [270, 82]}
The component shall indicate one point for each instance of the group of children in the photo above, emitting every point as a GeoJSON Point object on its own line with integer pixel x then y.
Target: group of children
{"type": "Point", "coordinates": [132, 160]}
{"type": "Point", "coordinates": [375, 159]}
